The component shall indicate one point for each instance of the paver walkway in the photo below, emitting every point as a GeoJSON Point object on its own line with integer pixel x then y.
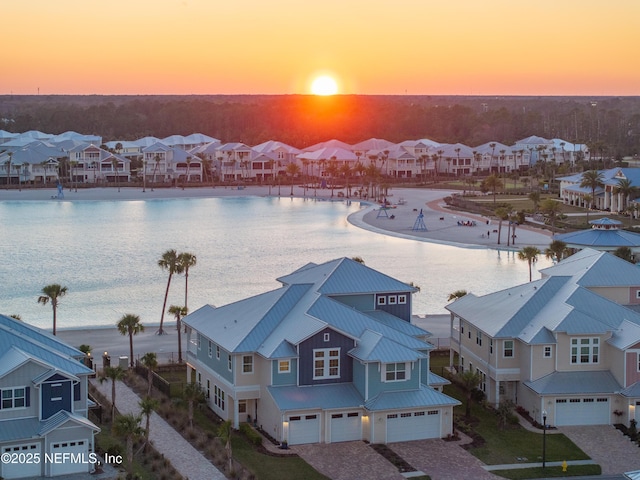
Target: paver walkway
{"type": "Point", "coordinates": [182, 455]}
{"type": "Point", "coordinates": [608, 447]}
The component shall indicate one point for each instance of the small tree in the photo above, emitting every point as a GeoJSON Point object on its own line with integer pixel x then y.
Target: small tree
{"type": "Point", "coordinates": [128, 426]}
{"type": "Point", "coordinates": [505, 412]}
{"type": "Point", "coordinates": [492, 183]}
{"type": "Point", "coordinates": [147, 406]}
{"type": "Point", "coordinates": [530, 255]}
{"type": "Point", "coordinates": [193, 395]}
{"type": "Point", "coordinates": [114, 374]}
{"type": "Point", "coordinates": [225, 432]}
{"type": "Point", "coordinates": [469, 382]}
{"type": "Point", "coordinates": [150, 361]}
{"type": "Point", "coordinates": [624, 253]}
{"type": "Point", "coordinates": [556, 250]}
{"type": "Point", "coordinates": [178, 312]}
{"type": "Point", "coordinates": [456, 295]}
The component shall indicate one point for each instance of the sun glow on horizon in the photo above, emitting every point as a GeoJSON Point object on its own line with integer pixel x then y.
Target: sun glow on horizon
{"type": "Point", "coordinates": [324, 85]}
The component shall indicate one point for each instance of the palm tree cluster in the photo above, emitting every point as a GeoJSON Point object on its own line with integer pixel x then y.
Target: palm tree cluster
{"type": "Point", "coordinates": [175, 263]}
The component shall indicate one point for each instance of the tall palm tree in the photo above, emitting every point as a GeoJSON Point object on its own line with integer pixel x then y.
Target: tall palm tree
{"type": "Point", "coordinates": [178, 312]}
{"type": "Point", "coordinates": [147, 406]}
{"type": "Point", "coordinates": [587, 201]}
{"type": "Point", "coordinates": [493, 183]}
{"type": "Point", "coordinates": [292, 170]}
{"type": "Point", "coordinates": [128, 426]}
{"type": "Point", "coordinates": [169, 262]}
{"type": "Point", "coordinates": [592, 179]}
{"type": "Point", "coordinates": [53, 292]}
{"type": "Point", "coordinates": [130, 325]}
{"type": "Point", "coordinates": [114, 162]}
{"type": "Point", "coordinates": [186, 261]}
{"type": "Point", "coordinates": [503, 214]}
{"type": "Point", "coordinates": [625, 188]}
{"type": "Point", "coordinates": [192, 394]}
{"type": "Point", "coordinates": [530, 255]}
{"type": "Point", "coordinates": [552, 209]}
{"type": "Point", "coordinates": [556, 250]}
{"type": "Point", "coordinates": [114, 374]}
{"type": "Point", "coordinates": [150, 361]}
{"type": "Point", "coordinates": [456, 295]}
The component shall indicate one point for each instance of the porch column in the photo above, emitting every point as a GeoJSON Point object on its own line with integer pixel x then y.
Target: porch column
{"type": "Point", "coordinates": [236, 414]}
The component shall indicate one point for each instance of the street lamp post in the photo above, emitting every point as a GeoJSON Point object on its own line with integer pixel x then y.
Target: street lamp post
{"type": "Point", "coordinates": [544, 438]}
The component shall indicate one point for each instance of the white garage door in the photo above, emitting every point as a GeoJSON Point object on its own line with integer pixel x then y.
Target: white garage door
{"type": "Point", "coordinates": [304, 429]}
{"type": "Point", "coordinates": [582, 411]}
{"type": "Point", "coordinates": [346, 427]}
{"type": "Point", "coordinates": [23, 461]}
{"type": "Point", "coordinates": [402, 427]}
{"type": "Point", "coordinates": [73, 457]}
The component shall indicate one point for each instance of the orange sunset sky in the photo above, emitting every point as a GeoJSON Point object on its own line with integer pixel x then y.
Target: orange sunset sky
{"type": "Point", "coordinates": [417, 47]}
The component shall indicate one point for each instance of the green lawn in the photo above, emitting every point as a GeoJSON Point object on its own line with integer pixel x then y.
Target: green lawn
{"type": "Point", "coordinates": [504, 446]}
{"type": "Point", "coordinates": [549, 472]}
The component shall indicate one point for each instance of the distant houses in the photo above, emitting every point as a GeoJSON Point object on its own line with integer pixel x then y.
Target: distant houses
{"type": "Point", "coordinates": [40, 158]}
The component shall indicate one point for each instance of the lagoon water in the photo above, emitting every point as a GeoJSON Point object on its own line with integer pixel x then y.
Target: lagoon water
{"type": "Point", "coordinates": [106, 254]}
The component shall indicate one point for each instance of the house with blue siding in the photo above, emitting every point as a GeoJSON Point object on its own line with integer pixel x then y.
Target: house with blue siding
{"type": "Point", "coordinates": [43, 404]}
{"type": "Point", "coordinates": [329, 356]}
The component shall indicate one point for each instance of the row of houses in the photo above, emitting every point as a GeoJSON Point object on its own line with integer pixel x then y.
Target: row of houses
{"type": "Point", "coordinates": [34, 157]}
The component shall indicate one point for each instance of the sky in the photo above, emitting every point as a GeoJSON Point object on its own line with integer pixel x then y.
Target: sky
{"type": "Point", "coordinates": [370, 47]}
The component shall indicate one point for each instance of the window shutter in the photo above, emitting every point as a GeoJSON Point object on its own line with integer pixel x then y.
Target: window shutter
{"type": "Point", "coordinates": [27, 394]}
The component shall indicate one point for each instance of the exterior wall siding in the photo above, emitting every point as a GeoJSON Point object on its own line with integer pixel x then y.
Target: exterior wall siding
{"type": "Point", "coordinates": [391, 305]}
{"type": "Point", "coordinates": [220, 366]}
{"type": "Point", "coordinates": [336, 340]}
{"type": "Point", "coordinates": [359, 377]}
{"type": "Point", "coordinates": [376, 385]}
{"type": "Point", "coordinates": [622, 295]}
{"type": "Point", "coordinates": [22, 377]}
{"type": "Point", "coordinates": [632, 370]}
{"type": "Point", "coordinates": [359, 302]}
{"type": "Point", "coordinates": [290, 378]}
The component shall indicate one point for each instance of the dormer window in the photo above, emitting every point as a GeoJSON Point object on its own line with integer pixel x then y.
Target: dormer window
{"type": "Point", "coordinates": [382, 300]}
{"type": "Point", "coordinates": [402, 299]}
{"type": "Point", "coordinates": [396, 372]}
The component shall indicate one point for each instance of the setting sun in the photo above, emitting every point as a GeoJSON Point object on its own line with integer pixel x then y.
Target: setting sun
{"type": "Point", "coordinates": [324, 85]}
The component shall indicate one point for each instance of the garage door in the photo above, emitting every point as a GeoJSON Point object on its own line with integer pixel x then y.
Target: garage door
{"type": "Point", "coordinates": [74, 457]}
{"type": "Point", "coordinates": [582, 411]}
{"type": "Point", "coordinates": [346, 427]}
{"type": "Point", "coordinates": [25, 464]}
{"type": "Point", "coordinates": [402, 427]}
{"type": "Point", "coordinates": [304, 429]}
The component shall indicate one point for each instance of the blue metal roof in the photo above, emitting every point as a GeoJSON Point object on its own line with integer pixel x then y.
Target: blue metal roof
{"type": "Point", "coordinates": [62, 417]}
{"type": "Point", "coordinates": [397, 323]}
{"type": "Point", "coordinates": [424, 397]}
{"type": "Point", "coordinates": [632, 390]}
{"type": "Point", "coordinates": [41, 336]}
{"type": "Point", "coordinates": [437, 379]}
{"type": "Point", "coordinates": [575, 383]}
{"type": "Point", "coordinates": [598, 238]}
{"type": "Point", "coordinates": [373, 347]}
{"type": "Point", "coordinates": [336, 395]}
{"type": "Point", "coordinates": [19, 429]}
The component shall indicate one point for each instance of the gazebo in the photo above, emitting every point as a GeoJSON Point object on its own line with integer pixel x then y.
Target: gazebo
{"type": "Point", "coordinates": [605, 234]}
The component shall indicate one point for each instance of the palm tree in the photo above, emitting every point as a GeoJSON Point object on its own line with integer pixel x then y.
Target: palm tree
{"type": "Point", "coordinates": [627, 190]}
{"type": "Point", "coordinates": [587, 201]}
{"type": "Point", "coordinates": [192, 394]}
{"type": "Point", "coordinates": [530, 255]}
{"type": "Point", "coordinates": [468, 381]}
{"type": "Point", "coordinates": [186, 261]}
{"type": "Point", "coordinates": [225, 432]}
{"type": "Point", "coordinates": [150, 361]}
{"type": "Point", "coordinates": [456, 295]}
{"type": "Point", "coordinates": [178, 313]}
{"type": "Point", "coordinates": [147, 406]}
{"type": "Point", "coordinates": [128, 426]}
{"type": "Point", "coordinates": [493, 183]}
{"type": "Point", "coordinates": [292, 170]}
{"type": "Point", "coordinates": [503, 214]}
{"type": "Point", "coordinates": [170, 262]}
{"type": "Point", "coordinates": [535, 198]}
{"type": "Point", "coordinates": [52, 292]}
{"type": "Point", "coordinates": [552, 209]}
{"type": "Point", "coordinates": [130, 325]}
{"type": "Point", "coordinates": [113, 374]}
{"type": "Point", "coordinates": [624, 253]}
{"type": "Point", "coordinates": [114, 162]}
{"type": "Point", "coordinates": [592, 179]}
{"type": "Point", "coordinates": [8, 167]}
{"type": "Point", "coordinates": [556, 251]}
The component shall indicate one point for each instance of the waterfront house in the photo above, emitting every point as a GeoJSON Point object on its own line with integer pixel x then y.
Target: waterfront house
{"type": "Point", "coordinates": [567, 345]}
{"type": "Point", "coordinates": [329, 356]}
{"type": "Point", "coordinates": [43, 404]}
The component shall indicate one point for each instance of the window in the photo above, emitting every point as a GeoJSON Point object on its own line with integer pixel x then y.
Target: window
{"type": "Point", "coordinates": [199, 343]}
{"type": "Point", "coordinates": [284, 366]}
{"type": "Point", "coordinates": [326, 337]}
{"type": "Point", "coordinates": [210, 349]}
{"type": "Point", "coordinates": [200, 379]}
{"type": "Point", "coordinates": [382, 300]}
{"type": "Point", "coordinates": [491, 346]}
{"type": "Point", "coordinates": [395, 372]}
{"type": "Point", "coordinates": [208, 388]}
{"type": "Point", "coordinates": [483, 380]}
{"type": "Point", "coordinates": [547, 352]}
{"type": "Point", "coordinates": [507, 348]}
{"type": "Point", "coordinates": [392, 299]}
{"type": "Point", "coordinates": [585, 350]}
{"type": "Point", "coordinates": [461, 328]}
{"type": "Point", "coordinates": [247, 364]}
{"type": "Point", "coordinates": [218, 352]}
{"type": "Point", "coordinates": [242, 406]}
{"type": "Point", "coordinates": [479, 338]}
{"type": "Point", "coordinates": [14, 397]}
{"type": "Point", "coordinates": [402, 299]}
{"type": "Point", "coordinates": [637, 293]}
{"type": "Point", "coordinates": [229, 362]}
{"type": "Point", "coordinates": [218, 397]}
{"type": "Point", "coordinates": [326, 363]}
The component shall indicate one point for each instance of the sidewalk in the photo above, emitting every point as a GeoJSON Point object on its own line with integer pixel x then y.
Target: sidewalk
{"type": "Point", "coordinates": [182, 455]}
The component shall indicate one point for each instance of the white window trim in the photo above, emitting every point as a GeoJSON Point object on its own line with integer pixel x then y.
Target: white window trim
{"type": "Point", "coordinates": [244, 364]}
{"type": "Point", "coordinates": [13, 397]}
{"type": "Point", "coordinates": [217, 352]}
{"type": "Point", "coordinates": [382, 300]}
{"type": "Point", "coordinates": [210, 349]}
{"type": "Point", "coordinates": [402, 299]}
{"type": "Point", "coordinates": [230, 363]}
{"type": "Point", "coordinates": [407, 372]}
{"type": "Point", "coordinates": [544, 351]}
{"type": "Point", "coordinates": [392, 300]}
{"type": "Point", "coordinates": [504, 349]}
{"type": "Point", "coordinates": [578, 345]}
{"type": "Point", "coordinates": [326, 363]}
{"type": "Point", "coordinates": [288, 370]}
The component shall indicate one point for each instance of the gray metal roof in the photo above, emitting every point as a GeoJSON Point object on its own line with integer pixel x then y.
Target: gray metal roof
{"type": "Point", "coordinates": [424, 397]}
{"type": "Point", "coordinates": [632, 390]}
{"type": "Point", "coordinates": [62, 417]}
{"type": "Point", "coordinates": [373, 347]}
{"type": "Point", "coordinates": [19, 429]}
{"type": "Point", "coordinates": [397, 323]}
{"type": "Point", "coordinates": [575, 383]}
{"type": "Point", "coordinates": [335, 395]}
{"type": "Point", "coordinates": [437, 380]}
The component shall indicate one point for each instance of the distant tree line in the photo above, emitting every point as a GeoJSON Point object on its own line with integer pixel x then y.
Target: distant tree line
{"type": "Point", "coordinates": [610, 125]}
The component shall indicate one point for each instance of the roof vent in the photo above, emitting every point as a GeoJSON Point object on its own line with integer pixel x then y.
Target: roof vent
{"type": "Point", "coordinates": [535, 288]}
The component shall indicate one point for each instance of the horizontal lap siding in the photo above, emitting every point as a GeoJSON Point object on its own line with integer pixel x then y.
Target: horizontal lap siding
{"type": "Point", "coordinates": [336, 340]}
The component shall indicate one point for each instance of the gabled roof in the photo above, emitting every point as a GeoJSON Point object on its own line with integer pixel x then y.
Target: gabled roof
{"type": "Point", "coordinates": [574, 383]}
{"type": "Point", "coordinates": [373, 144]}
{"type": "Point", "coordinates": [273, 145]}
{"type": "Point", "coordinates": [328, 144]}
{"type": "Point", "coordinates": [422, 397]}
{"type": "Point", "coordinates": [63, 417]}
{"type": "Point", "coordinates": [373, 347]}
{"type": "Point", "coordinates": [328, 153]}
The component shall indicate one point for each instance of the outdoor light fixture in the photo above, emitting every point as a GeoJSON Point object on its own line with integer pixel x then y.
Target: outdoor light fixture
{"type": "Point", "coordinates": [544, 438]}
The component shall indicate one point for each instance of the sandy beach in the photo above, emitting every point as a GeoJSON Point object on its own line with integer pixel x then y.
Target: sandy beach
{"type": "Point", "coordinates": [442, 226]}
